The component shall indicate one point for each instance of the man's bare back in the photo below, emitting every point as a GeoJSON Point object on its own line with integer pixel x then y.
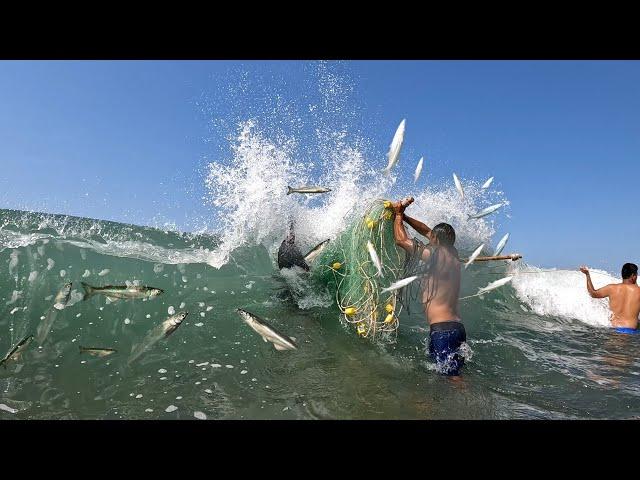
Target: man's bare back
{"type": "Point", "coordinates": [441, 287]}
{"type": "Point", "coordinates": [624, 298]}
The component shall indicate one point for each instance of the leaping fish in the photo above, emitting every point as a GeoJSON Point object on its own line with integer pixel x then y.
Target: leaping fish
{"type": "Point", "coordinates": [418, 170]}
{"type": "Point", "coordinates": [269, 334]}
{"type": "Point", "coordinates": [315, 251]}
{"type": "Point", "coordinates": [487, 183]}
{"type": "Point", "coordinates": [394, 148]}
{"type": "Point", "coordinates": [374, 258]}
{"type": "Point", "coordinates": [456, 180]}
{"type": "Point", "coordinates": [307, 190]}
{"type": "Point", "coordinates": [16, 351]}
{"type": "Point", "coordinates": [491, 286]}
{"type": "Point", "coordinates": [486, 211]}
{"type": "Point", "coordinates": [501, 245]}
{"type": "Point", "coordinates": [399, 284]}
{"type": "Point", "coordinates": [474, 255]}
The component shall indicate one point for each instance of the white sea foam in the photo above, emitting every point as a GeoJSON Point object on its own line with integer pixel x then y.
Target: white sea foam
{"type": "Point", "coordinates": [563, 294]}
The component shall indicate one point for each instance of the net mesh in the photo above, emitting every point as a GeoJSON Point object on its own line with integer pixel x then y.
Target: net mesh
{"type": "Point", "coordinates": [347, 268]}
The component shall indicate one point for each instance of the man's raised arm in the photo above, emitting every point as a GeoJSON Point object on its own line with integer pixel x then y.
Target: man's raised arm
{"type": "Point", "coordinates": [399, 232]}
{"type": "Point", "coordinates": [599, 293]}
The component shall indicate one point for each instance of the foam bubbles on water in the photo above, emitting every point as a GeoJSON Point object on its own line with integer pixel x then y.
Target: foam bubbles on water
{"type": "Point", "coordinates": [563, 294]}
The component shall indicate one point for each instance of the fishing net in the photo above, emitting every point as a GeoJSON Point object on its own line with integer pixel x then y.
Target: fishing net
{"type": "Point", "coordinates": [346, 267]}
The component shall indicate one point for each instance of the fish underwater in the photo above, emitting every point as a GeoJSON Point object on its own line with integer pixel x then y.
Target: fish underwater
{"type": "Point", "coordinates": [97, 351]}
{"type": "Point", "coordinates": [17, 350]}
{"type": "Point", "coordinates": [161, 331]}
{"type": "Point", "coordinates": [114, 293]}
{"type": "Point", "coordinates": [60, 302]}
{"type": "Point", "coordinates": [269, 334]}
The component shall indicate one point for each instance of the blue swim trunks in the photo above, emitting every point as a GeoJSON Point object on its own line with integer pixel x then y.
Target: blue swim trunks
{"type": "Point", "coordinates": [444, 346]}
{"type": "Point", "coordinates": [630, 331]}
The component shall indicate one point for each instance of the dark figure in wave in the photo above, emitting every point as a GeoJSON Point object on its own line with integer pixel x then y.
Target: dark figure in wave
{"type": "Point", "coordinates": [289, 255]}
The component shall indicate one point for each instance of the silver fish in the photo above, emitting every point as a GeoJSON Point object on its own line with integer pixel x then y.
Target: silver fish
{"type": "Point", "coordinates": [418, 170]}
{"type": "Point", "coordinates": [267, 332]}
{"type": "Point", "coordinates": [315, 251]}
{"type": "Point", "coordinates": [60, 302]}
{"type": "Point", "coordinates": [114, 293]}
{"type": "Point", "coordinates": [97, 351]}
{"type": "Point", "coordinates": [474, 255]}
{"type": "Point", "coordinates": [487, 211]}
{"type": "Point", "coordinates": [491, 286]}
{"type": "Point", "coordinates": [396, 145]}
{"type": "Point", "coordinates": [374, 258]}
{"type": "Point", "coordinates": [62, 297]}
{"type": "Point", "coordinates": [494, 285]}
{"type": "Point", "coordinates": [487, 183]}
{"type": "Point", "coordinates": [17, 350]}
{"type": "Point", "coordinates": [399, 284]}
{"type": "Point", "coordinates": [163, 330]}
{"type": "Point", "coordinates": [307, 190]}
{"type": "Point", "coordinates": [501, 245]}
{"type": "Point", "coordinates": [456, 180]}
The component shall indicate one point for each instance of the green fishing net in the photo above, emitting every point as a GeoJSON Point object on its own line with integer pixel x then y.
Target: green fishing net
{"type": "Point", "coordinates": [346, 267]}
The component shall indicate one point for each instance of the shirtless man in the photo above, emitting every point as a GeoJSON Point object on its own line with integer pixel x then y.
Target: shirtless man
{"type": "Point", "coordinates": [441, 286]}
{"type": "Point", "coordinates": [624, 298]}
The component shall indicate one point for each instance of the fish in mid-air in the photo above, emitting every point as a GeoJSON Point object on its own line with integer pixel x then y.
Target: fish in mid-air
{"type": "Point", "coordinates": [418, 170]}
{"type": "Point", "coordinates": [487, 183]}
{"type": "Point", "coordinates": [456, 181]}
{"type": "Point", "coordinates": [399, 284]}
{"type": "Point", "coordinates": [394, 148]}
{"type": "Point", "coordinates": [307, 190]}
{"type": "Point", "coordinates": [269, 334]}
{"type": "Point", "coordinates": [487, 211]}
{"type": "Point", "coordinates": [474, 255]}
{"type": "Point", "coordinates": [315, 251]}
{"type": "Point", "coordinates": [501, 245]}
{"type": "Point", "coordinates": [491, 286]}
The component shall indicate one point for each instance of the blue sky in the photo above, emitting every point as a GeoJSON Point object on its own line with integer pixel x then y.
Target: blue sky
{"type": "Point", "coordinates": [126, 140]}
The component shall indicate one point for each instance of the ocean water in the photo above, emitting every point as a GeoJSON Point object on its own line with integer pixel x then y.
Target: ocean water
{"type": "Point", "coordinates": [538, 347]}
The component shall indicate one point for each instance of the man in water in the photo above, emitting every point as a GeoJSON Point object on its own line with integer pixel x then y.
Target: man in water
{"type": "Point", "coordinates": [440, 265]}
{"type": "Point", "coordinates": [624, 298]}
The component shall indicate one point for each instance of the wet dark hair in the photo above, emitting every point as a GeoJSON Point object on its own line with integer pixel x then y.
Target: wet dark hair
{"type": "Point", "coordinates": [629, 269]}
{"type": "Point", "coordinates": [445, 233]}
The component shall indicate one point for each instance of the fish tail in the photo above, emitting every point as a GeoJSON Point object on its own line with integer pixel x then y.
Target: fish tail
{"type": "Point", "coordinates": [289, 190]}
{"type": "Point", "coordinates": [88, 289]}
